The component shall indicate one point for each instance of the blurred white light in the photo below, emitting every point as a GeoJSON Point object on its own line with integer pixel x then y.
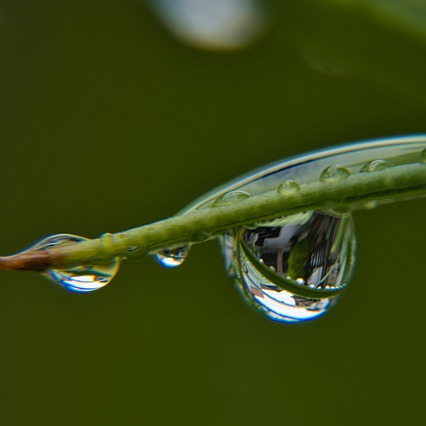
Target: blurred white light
{"type": "Point", "coordinates": [213, 24]}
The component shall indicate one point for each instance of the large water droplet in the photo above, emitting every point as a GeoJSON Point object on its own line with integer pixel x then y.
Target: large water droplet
{"type": "Point", "coordinates": [171, 258]}
{"type": "Point", "coordinates": [81, 278]}
{"type": "Point", "coordinates": [294, 272]}
{"type": "Point", "coordinates": [376, 166]}
{"type": "Point", "coordinates": [334, 173]}
{"type": "Point", "coordinates": [423, 156]}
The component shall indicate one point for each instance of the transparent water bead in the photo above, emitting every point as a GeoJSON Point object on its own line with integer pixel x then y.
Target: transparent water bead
{"type": "Point", "coordinates": [288, 187]}
{"type": "Point", "coordinates": [279, 292]}
{"type": "Point", "coordinates": [334, 173]}
{"type": "Point", "coordinates": [230, 198]}
{"type": "Point", "coordinates": [172, 258]}
{"type": "Point", "coordinates": [297, 271]}
{"type": "Point", "coordinates": [82, 278]}
{"type": "Point", "coordinates": [376, 166]}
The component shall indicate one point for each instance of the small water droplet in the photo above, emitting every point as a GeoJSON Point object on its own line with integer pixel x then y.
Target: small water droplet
{"type": "Point", "coordinates": [423, 156]}
{"type": "Point", "coordinates": [334, 173]}
{"type": "Point", "coordinates": [376, 166]}
{"type": "Point", "coordinates": [231, 197]}
{"type": "Point", "coordinates": [312, 263]}
{"type": "Point", "coordinates": [81, 278]}
{"type": "Point", "coordinates": [171, 258]}
{"type": "Point", "coordinates": [288, 187]}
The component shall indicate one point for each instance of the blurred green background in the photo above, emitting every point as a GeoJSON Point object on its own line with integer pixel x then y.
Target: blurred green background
{"type": "Point", "coordinates": [108, 122]}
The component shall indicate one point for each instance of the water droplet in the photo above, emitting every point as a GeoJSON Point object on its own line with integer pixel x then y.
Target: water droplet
{"type": "Point", "coordinates": [376, 166]}
{"type": "Point", "coordinates": [81, 278]}
{"type": "Point", "coordinates": [423, 156]}
{"type": "Point", "coordinates": [288, 187]}
{"type": "Point", "coordinates": [229, 198]}
{"type": "Point", "coordinates": [334, 173]}
{"type": "Point", "coordinates": [312, 262]}
{"type": "Point", "coordinates": [171, 258]}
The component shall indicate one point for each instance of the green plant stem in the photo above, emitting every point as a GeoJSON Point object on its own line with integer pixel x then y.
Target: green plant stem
{"type": "Point", "coordinates": [358, 191]}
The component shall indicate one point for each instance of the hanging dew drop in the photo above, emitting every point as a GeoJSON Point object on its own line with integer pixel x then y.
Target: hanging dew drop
{"type": "Point", "coordinates": [294, 272]}
{"type": "Point", "coordinates": [376, 166]}
{"type": "Point", "coordinates": [172, 258]}
{"type": "Point", "coordinates": [334, 173]}
{"type": "Point", "coordinates": [82, 278]}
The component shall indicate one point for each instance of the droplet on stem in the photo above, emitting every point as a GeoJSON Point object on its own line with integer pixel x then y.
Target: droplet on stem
{"type": "Point", "coordinates": [334, 173]}
{"type": "Point", "coordinates": [171, 258]}
{"type": "Point", "coordinates": [229, 198]}
{"type": "Point", "coordinates": [375, 166]}
{"type": "Point", "coordinates": [81, 278]}
{"type": "Point", "coordinates": [288, 187]}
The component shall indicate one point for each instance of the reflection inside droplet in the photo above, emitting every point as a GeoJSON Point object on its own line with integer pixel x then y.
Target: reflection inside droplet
{"type": "Point", "coordinates": [81, 278]}
{"type": "Point", "coordinates": [293, 272]}
{"type": "Point", "coordinates": [218, 24]}
{"type": "Point", "coordinates": [171, 258]}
